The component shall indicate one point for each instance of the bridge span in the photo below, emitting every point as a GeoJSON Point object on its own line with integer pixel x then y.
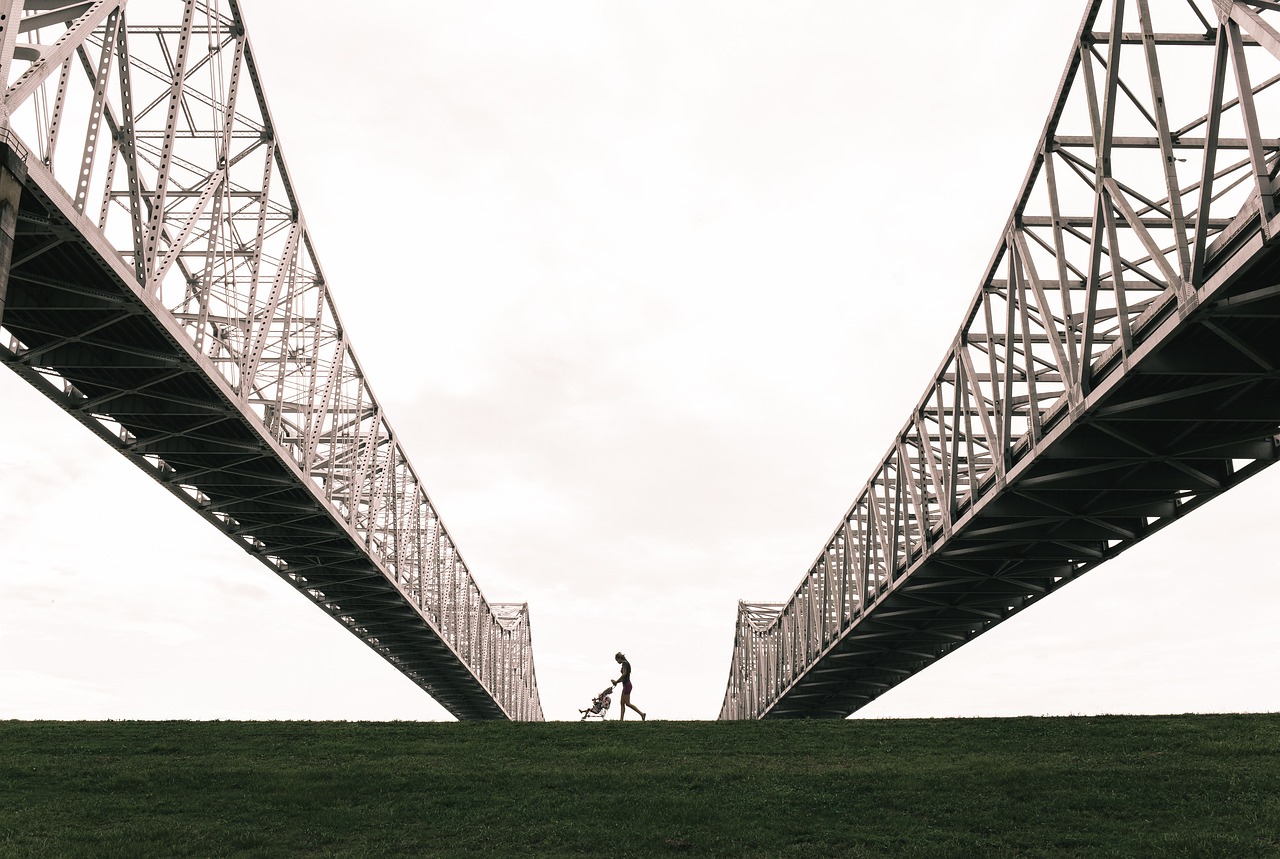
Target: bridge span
{"type": "Point", "coordinates": [1118, 367]}
{"type": "Point", "coordinates": [158, 282]}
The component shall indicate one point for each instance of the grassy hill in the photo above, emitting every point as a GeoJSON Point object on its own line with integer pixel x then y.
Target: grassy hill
{"type": "Point", "coordinates": [1193, 786]}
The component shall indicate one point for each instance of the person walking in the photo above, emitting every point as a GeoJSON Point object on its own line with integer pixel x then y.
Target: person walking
{"type": "Point", "coordinates": [625, 679]}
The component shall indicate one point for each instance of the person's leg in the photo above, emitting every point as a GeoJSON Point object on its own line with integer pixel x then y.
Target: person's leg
{"type": "Point", "coordinates": [634, 707]}
{"type": "Point", "coordinates": [626, 702]}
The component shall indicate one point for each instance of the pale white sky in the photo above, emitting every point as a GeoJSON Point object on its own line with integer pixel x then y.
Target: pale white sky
{"type": "Point", "coordinates": [646, 290]}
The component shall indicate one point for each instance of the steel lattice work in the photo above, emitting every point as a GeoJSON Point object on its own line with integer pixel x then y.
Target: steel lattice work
{"type": "Point", "coordinates": [1116, 369]}
{"type": "Point", "coordinates": [161, 285]}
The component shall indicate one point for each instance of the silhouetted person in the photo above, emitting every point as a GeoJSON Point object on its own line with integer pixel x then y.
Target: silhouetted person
{"type": "Point", "coordinates": [625, 680]}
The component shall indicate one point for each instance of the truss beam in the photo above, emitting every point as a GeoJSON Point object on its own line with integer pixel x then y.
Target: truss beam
{"type": "Point", "coordinates": [1116, 369]}
{"type": "Point", "coordinates": [157, 281]}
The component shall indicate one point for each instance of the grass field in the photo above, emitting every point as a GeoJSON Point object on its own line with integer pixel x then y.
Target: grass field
{"type": "Point", "coordinates": [1189, 786]}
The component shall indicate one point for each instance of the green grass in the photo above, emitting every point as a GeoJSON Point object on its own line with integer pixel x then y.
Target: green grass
{"type": "Point", "coordinates": [1189, 786]}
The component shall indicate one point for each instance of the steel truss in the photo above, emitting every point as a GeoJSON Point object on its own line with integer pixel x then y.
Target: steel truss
{"type": "Point", "coordinates": [161, 285]}
{"type": "Point", "coordinates": [1117, 368]}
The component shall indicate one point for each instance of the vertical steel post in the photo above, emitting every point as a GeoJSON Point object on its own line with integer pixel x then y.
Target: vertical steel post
{"type": "Point", "coordinates": [10, 13]}
{"type": "Point", "coordinates": [13, 171]}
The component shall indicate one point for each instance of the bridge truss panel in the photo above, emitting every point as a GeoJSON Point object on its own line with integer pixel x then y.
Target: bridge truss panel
{"type": "Point", "coordinates": [145, 125]}
{"type": "Point", "coordinates": [1116, 368]}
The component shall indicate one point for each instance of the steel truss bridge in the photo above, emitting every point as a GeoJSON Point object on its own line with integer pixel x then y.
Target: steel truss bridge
{"type": "Point", "coordinates": [1118, 367]}
{"type": "Point", "coordinates": [158, 282]}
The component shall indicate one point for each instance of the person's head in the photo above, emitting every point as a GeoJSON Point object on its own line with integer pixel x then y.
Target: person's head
{"type": "Point", "coordinates": [618, 657]}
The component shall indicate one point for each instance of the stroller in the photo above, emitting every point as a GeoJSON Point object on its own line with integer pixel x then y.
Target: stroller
{"type": "Point", "coordinates": [599, 705]}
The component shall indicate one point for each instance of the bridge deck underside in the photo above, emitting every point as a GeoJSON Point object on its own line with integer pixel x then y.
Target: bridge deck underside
{"type": "Point", "coordinates": [76, 316]}
{"type": "Point", "coordinates": [1194, 414]}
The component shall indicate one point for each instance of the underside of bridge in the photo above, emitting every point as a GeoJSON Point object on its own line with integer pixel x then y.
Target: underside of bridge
{"type": "Point", "coordinates": [159, 283]}
{"type": "Point", "coordinates": [1194, 416]}
{"type": "Point", "coordinates": [108, 357]}
{"type": "Point", "coordinates": [1118, 368]}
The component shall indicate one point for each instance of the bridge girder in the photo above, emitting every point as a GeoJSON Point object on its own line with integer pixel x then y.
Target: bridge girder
{"type": "Point", "coordinates": [161, 286]}
{"type": "Point", "coordinates": [1117, 367]}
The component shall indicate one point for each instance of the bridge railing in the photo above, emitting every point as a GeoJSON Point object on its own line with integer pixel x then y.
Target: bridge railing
{"type": "Point", "coordinates": [1160, 149]}
{"type": "Point", "coordinates": [152, 117]}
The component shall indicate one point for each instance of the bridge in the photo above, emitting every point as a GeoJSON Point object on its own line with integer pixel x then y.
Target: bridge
{"type": "Point", "coordinates": [158, 282]}
{"type": "Point", "coordinates": [1117, 367]}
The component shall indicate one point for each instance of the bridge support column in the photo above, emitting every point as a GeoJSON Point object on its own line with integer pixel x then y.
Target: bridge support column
{"type": "Point", "coordinates": [12, 173]}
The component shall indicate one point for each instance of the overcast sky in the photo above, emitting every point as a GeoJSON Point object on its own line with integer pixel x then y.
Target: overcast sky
{"type": "Point", "coordinates": [646, 289]}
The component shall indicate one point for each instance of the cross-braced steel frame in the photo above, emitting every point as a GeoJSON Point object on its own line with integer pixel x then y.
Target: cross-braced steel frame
{"type": "Point", "coordinates": [158, 281]}
{"type": "Point", "coordinates": [1118, 367]}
